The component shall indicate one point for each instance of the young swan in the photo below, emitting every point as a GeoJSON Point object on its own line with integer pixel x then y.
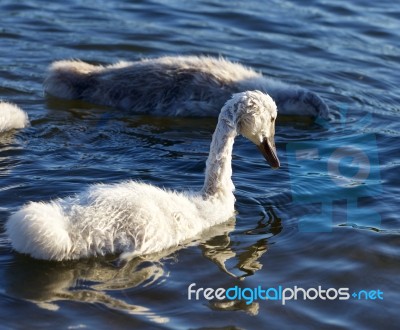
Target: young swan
{"type": "Point", "coordinates": [12, 117]}
{"type": "Point", "coordinates": [174, 86]}
{"type": "Point", "coordinates": [134, 218]}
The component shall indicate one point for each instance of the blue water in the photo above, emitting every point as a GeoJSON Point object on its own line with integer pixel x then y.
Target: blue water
{"type": "Point", "coordinates": [328, 217]}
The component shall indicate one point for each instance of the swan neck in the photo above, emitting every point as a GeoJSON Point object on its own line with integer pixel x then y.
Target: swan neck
{"type": "Point", "coordinates": [218, 179]}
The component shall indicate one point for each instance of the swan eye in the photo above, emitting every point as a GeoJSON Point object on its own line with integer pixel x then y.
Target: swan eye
{"type": "Point", "coordinates": [272, 119]}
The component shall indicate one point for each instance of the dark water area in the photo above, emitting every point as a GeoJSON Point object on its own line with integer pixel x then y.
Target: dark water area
{"type": "Point", "coordinates": [328, 217]}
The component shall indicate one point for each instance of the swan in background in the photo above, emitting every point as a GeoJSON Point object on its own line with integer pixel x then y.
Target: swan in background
{"type": "Point", "coordinates": [135, 218]}
{"type": "Point", "coordinates": [174, 86]}
{"type": "Point", "coordinates": [12, 117]}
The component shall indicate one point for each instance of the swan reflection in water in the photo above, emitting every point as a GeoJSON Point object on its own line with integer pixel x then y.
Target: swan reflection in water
{"type": "Point", "coordinates": [91, 280]}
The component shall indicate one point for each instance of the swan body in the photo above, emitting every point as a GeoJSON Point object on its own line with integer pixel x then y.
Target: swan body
{"type": "Point", "coordinates": [174, 86]}
{"type": "Point", "coordinates": [135, 218]}
{"type": "Point", "coordinates": [12, 117]}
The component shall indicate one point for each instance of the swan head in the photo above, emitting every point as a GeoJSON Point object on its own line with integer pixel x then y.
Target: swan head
{"type": "Point", "coordinates": [254, 114]}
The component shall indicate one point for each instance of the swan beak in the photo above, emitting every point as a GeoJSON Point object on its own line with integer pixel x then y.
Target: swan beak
{"type": "Point", "coordinates": [268, 150]}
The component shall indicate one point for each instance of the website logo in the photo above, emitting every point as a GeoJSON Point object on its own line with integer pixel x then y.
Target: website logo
{"type": "Point", "coordinates": [324, 171]}
{"type": "Point", "coordinates": [280, 293]}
